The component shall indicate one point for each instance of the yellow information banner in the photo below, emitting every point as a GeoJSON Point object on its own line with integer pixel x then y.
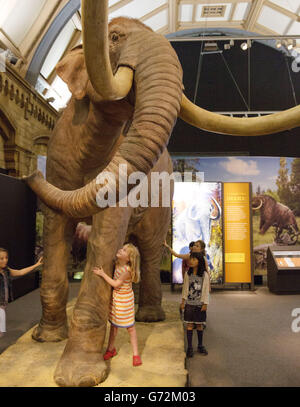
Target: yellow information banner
{"type": "Point", "coordinates": [237, 239]}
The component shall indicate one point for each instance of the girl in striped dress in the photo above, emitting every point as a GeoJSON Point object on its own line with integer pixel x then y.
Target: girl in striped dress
{"type": "Point", "coordinates": [121, 314]}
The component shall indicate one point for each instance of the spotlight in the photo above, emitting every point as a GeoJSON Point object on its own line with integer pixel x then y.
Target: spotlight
{"type": "Point", "coordinates": [278, 44]}
{"type": "Point", "coordinates": [244, 46]}
{"type": "Point", "coordinates": [291, 44]}
{"type": "Point", "coordinates": [226, 46]}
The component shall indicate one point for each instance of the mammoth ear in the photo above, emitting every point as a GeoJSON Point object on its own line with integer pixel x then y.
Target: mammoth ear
{"type": "Point", "coordinates": [71, 69]}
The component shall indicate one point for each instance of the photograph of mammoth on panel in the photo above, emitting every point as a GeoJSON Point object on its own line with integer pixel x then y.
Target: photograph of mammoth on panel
{"type": "Point", "coordinates": [275, 195]}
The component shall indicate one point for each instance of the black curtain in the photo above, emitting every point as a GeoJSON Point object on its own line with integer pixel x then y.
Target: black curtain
{"type": "Point", "coordinates": [270, 90]}
{"type": "Point", "coordinates": [17, 230]}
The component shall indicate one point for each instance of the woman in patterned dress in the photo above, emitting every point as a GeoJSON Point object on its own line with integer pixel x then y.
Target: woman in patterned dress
{"type": "Point", "coordinates": [121, 314]}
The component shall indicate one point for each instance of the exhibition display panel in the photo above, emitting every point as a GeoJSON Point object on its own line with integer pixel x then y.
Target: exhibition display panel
{"type": "Point", "coordinates": [238, 233]}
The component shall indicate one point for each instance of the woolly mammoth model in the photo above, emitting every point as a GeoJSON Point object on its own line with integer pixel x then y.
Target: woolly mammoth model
{"type": "Point", "coordinates": [127, 86]}
{"type": "Point", "coordinates": [275, 214]}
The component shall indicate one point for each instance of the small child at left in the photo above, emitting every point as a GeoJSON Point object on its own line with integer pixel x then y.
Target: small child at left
{"type": "Point", "coordinates": [5, 284]}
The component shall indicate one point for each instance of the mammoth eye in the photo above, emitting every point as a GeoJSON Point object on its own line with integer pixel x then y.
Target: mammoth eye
{"type": "Point", "coordinates": [114, 37]}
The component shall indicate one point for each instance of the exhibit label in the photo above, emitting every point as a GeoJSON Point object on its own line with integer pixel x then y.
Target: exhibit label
{"type": "Point", "coordinates": [237, 238]}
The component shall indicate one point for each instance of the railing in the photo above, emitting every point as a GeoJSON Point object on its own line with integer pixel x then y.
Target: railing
{"type": "Point", "coordinates": [26, 97]}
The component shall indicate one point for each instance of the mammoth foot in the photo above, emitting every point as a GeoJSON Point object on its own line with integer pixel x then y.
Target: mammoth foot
{"type": "Point", "coordinates": [80, 369]}
{"type": "Point", "coordinates": [42, 333]}
{"type": "Point", "coordinates": [150, 313]}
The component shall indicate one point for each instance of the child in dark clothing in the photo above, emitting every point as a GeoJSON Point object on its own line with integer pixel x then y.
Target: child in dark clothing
{"type": "Point", "coordinates": [195, 297]}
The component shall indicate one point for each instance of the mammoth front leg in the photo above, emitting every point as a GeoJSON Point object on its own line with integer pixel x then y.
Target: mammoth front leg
{"type": "Point", "coordinates": [82, 362]}
{"type": "Point", "coordinates": [151, 235]}
{"type": "Point", "coordinates": [58, 234]}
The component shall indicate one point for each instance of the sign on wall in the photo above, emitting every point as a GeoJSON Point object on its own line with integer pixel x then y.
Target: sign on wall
{"type": "Point", "coordinates": [237, 228]}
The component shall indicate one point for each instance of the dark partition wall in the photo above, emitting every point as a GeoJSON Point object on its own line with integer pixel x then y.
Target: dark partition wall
{"type": "Point", "coordinates": [17, 230]}
{"type": "Point", "coordinates": [224, 86]}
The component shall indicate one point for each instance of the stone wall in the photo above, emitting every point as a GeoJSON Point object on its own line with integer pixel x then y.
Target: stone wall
{"type": "Point", "coordinates": [26, 124]}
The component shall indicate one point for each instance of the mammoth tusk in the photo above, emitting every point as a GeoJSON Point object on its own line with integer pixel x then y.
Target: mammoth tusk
{"type": "Point", "coordinates": [256, 126]}
{"type": "Point", "coordinates": [259, 206]}
{"type": "Point", "coordinates": [95, 46]}
{"type": "Point", "coordinates": [219, 210]}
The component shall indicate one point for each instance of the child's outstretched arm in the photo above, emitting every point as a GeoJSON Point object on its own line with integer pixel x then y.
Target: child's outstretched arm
{"type": "Point", "coordinates": [180, 256]}
{"type": "Point", "coordinates": [22, 272]}
{"type": "Point", "coordinates": [114, 283]}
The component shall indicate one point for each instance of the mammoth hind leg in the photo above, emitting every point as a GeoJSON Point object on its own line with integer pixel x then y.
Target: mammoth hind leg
{"type": "Point", "coordinates": [58, 235]}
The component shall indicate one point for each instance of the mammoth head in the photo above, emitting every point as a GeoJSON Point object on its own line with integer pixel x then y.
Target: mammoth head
{"type": "Point", "coordinates": [114, 59]}
{"type": "Point", "coordinates": [100, 73]}
{"type": "Point", "coordinates": [257, 202]}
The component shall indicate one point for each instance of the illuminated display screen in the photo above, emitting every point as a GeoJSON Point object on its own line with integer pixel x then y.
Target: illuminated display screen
{"type": "Point", "coordinates": [197, 215]}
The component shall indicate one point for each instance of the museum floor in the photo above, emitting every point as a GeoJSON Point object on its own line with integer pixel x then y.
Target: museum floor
{"type": "Point", "coordinates": [248, 336]}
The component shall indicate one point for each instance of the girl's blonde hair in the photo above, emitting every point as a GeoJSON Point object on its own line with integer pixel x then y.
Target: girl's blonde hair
{"type": "Point", "coordinates": [134, 261]}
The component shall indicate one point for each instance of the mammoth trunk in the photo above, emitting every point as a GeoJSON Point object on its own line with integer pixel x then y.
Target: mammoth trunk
{"type": "Point", "coordinates": [158, 92]}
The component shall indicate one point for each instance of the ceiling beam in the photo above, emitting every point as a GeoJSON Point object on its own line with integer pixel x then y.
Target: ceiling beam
{"type": "Point", "coordinates": [261, 29]}
{"type": "Point", "coordinates": [75, 39]}
{"type": "Point", "coordinates": [212, 24]}
{"type": "Point", "coordinates": [7, 42]}
{"type": "Point", "coordinates": [219, 2]}
{"type": "Point", "coordinates": [173, 15]}
{"type": "Point", "coordinates": [163, 30]}
{"type": "Point", "coordinates": [194, 13]}
{"type": "Point", "coordinates": [119, 5]}
{"type": "Point", "coordinates": [41, 52]}
{"type": "Point", "coordinates": [153, 12]}
{"type": "Point", "coordinates": [254, 13]}
{"type": "Point", "coordinates": [282, 10]}
{"type": "Point", "coordinates": [232, 11]}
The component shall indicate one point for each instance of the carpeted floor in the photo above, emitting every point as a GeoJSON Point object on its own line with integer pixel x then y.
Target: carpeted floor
{"type": "Point", "coordinates": [248, 336]}
{"type": "Point", "coordinates": [31, 364]}
{"type": "Point", "coordinates": [249, 340]}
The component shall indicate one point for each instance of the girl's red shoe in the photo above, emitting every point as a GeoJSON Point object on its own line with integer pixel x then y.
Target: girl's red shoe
{"type": "Point", "coordinates": [136, 361]}
{"type": "Point", "coordinates": [109, 354]}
